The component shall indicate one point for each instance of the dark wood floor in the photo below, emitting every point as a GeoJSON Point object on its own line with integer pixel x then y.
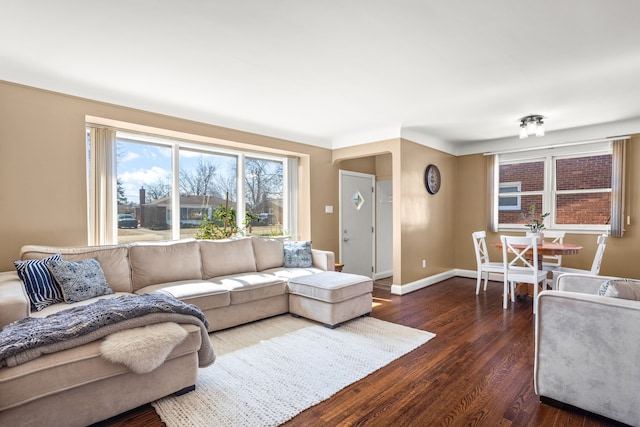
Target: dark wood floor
{"type": "Point", "coordinates": [477, 371]}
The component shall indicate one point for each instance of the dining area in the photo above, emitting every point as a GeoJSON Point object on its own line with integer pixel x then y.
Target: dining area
{"type": "Point", "coordinates": [528, 263]}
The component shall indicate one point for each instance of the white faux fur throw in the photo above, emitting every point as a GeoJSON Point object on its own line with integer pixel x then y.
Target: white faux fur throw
{"type": "Point", "coordinates": [143, 349]}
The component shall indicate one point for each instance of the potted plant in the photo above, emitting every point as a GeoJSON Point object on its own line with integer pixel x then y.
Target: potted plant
{"type": "Point", "coordinates": [536, 223]}
{"type": "Point", "coordinates": [222, 223]}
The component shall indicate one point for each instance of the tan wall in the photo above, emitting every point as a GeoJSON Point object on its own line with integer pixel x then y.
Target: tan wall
{"type": "Point", "coordinates": [472, 210]}
{"type": "Point", "coordinates": [43, 186]}
{"type": "Point", "coordinates": [361, 165]}
{"type": "Point", "coordinates": [425, 224]}
{"type": "Point", "coordinates": [43, 196]}
{"type": "Point", "coordinates": [384, 167]}
{"type": "Point", "coordinates": [620, 257]}
{"type": "Point", "coordinates": [378, 165]}
{"type": "Point", "coordinates": [427, 219]}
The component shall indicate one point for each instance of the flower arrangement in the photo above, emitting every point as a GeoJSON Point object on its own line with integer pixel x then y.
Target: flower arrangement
{"type": "Point", "coordinates": [535, 224]}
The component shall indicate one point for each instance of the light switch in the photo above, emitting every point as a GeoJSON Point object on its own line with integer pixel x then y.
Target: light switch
{"type": "Point", "coordinates": [328, 209]}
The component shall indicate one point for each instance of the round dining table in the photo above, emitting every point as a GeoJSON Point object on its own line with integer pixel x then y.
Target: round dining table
{"type": "Point", "coordinates": [545, 248]}
{"type": "Point", "coordinates": [549, 248]}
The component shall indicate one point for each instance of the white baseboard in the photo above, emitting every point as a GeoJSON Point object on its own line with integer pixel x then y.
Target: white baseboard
{"type": "Point", "coordinates": [422, 283]}
{"type": "Point", "coordinates": [436, 278]}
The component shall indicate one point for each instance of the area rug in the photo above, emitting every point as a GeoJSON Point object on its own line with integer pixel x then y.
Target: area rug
{"type": "Point", "coordinates": [293, 366]}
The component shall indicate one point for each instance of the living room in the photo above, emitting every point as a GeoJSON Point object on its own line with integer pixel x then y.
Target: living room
{"type": "Point", "coordinates": [45, 111]}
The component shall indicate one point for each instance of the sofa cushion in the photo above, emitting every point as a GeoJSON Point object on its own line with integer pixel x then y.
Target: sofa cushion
{"type": "Point", "coordinates": [251, 287]}
{"type": "Point", "coordinates": [70, 368]}
{"type": "Point", "coordinates": [202, 293]}
{"type": "Point", "coordinates": [331, 286]}
{"type": "Point", "coordinates": [225, 257]}
{"type": "Point", "coordinates": [41, 288]}
{"type": "Point", "coordinates": [155, 263]}
{"type": "Point", "coordinates": [290, 273]}
{"type": "Point", "coordinates": [113, 259]}
{"type": "Point", "coordinates": [624, 288]}
{"type": "Point", "coordinates": [79, 280]}
{"type": "Point", "coordinates": [297, 254]}
{"type": "Point", "coordinates": [269, 252]}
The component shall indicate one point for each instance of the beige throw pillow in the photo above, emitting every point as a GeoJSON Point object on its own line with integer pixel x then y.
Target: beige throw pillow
{"type": "Point", "coordinates": [624, 288]}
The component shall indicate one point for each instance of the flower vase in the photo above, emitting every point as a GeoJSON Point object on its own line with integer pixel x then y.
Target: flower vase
{"type": "Point", "coordinates": [539, 235]}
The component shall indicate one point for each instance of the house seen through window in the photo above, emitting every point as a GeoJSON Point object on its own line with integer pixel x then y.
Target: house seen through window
{"type": "Point", "coordinates": [165, 188]}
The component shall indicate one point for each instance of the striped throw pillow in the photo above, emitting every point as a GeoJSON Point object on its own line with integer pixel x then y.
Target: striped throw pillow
{"type": "Point", "coordinates": [41, 288]}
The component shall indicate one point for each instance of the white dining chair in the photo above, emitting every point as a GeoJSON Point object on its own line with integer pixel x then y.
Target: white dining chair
{"type": "Point", "coordinates": [551, 262]}
{"type": "Point", "coordinates": [595, 265]}
{"type": "Point", "coordinates": [482, 260]}
{"type": "Point", "coordinates": [520, 264]}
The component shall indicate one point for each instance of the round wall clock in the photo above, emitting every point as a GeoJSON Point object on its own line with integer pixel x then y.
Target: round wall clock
{"type": "Point", "coordinates": [432, 179]}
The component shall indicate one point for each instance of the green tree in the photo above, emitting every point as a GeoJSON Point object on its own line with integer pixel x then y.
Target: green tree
{"type": "Point", "coordinates": [122, 199]}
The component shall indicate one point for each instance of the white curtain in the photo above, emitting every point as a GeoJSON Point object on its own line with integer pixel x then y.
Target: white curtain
{"type": "Point", "coordinates": [102, 205]}
{"type": "Point", "coordinates": [291, 196]}
{"type": "Point", "coordinates": [617, 187]}
{"type": "Point", "coordinates": [493, 186]}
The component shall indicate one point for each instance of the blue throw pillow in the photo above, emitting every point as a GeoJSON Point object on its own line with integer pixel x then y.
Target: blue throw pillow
{"type": "Point", "coordinates": [297, 254]}
{"type": "Point", "coordinates": [41, 288]}
{"type": "Point", "coordinates": [79, 280]}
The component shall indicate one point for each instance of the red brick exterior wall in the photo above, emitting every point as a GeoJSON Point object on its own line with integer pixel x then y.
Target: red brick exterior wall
{"type": "Point", "coordinates": [531, 178]}
{"type": "Point", "coordinates": [579, 173]}
{"type": "Point", "coordinates": [583, 173]}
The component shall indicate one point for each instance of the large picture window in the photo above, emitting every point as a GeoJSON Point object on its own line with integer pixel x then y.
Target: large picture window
{"type": "Point", "coordinates": [574, 184]}
{"type": "Point", "coordinates": [145, 187]}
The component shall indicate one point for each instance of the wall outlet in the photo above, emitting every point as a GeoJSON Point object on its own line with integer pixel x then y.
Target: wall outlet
{"type": "Point", "coordinates": [424, 263]}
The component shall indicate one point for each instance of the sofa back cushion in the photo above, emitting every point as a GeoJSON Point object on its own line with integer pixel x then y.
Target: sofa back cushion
{"type": "Point", "coordinates": [163, 262]}
{"type": "Point", "coordinates": [114, 260]}
{"type": "Point", "coordinates": [269, 252]}
{"type": "Point", "coordinates": [228, 256]}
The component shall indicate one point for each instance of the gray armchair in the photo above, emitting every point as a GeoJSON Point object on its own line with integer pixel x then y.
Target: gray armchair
{"type": "Point", "coordinates": [587, 349]}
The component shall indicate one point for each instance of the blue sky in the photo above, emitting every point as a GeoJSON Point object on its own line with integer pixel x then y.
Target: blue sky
{"type": "Point", "coordinates": [142, 164]}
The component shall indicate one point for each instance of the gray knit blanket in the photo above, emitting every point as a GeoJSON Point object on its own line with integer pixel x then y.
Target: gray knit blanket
{"type": "Point", "coordinates": [31, 337]}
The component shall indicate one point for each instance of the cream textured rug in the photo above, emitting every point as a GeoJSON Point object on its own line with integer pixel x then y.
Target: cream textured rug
{"type": "Point", "coordinates": [269, 371]}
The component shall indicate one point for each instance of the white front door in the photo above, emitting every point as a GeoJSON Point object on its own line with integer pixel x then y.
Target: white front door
{"type": "Point", "coordinates": [357, 206]}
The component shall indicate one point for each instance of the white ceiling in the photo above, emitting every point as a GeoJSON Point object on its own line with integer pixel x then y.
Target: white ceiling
{"type": "Point", "coordinates": [337, 72]}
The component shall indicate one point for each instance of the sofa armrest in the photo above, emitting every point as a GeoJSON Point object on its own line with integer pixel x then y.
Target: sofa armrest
{"type": "Point", "coordinates": [587, 353]}
{"type": "Point", "coordinates": [324, 260]}
{"type": "Point", "coordinates": [582, 283]}
{"type": "Point", "coordinates": [14, 302]}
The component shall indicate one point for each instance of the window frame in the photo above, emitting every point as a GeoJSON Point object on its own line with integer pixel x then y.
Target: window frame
{"type": "Point", "coordinates": [98, 234]}
{"type": "Point", "coordinates": [511, 194]}
{"type": "Point", "coordinates": [549, 192]}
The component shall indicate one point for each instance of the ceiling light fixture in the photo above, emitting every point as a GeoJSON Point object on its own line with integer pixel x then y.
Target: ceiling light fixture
{"type": "Point", "coordinates": [531, 125]}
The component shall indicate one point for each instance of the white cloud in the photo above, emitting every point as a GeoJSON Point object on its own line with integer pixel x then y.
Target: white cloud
{"type": "Point", "coordinates": [132, 181]}
{"type": "Point", "coordinates": [130, 156]}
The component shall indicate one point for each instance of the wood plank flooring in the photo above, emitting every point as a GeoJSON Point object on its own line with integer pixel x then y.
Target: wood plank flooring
{"type": "Point", "coordinates": [477, 371]}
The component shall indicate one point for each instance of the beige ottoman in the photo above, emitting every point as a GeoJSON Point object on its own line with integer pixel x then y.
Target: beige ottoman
{"type": "Point", "coordinates": [330, 297]}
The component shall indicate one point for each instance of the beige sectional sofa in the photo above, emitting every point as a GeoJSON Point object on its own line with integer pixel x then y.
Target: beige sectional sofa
{"type": "Point", "coordinates": [587, 346]}
{"type": "Point", "coordinates": [232, 281]}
